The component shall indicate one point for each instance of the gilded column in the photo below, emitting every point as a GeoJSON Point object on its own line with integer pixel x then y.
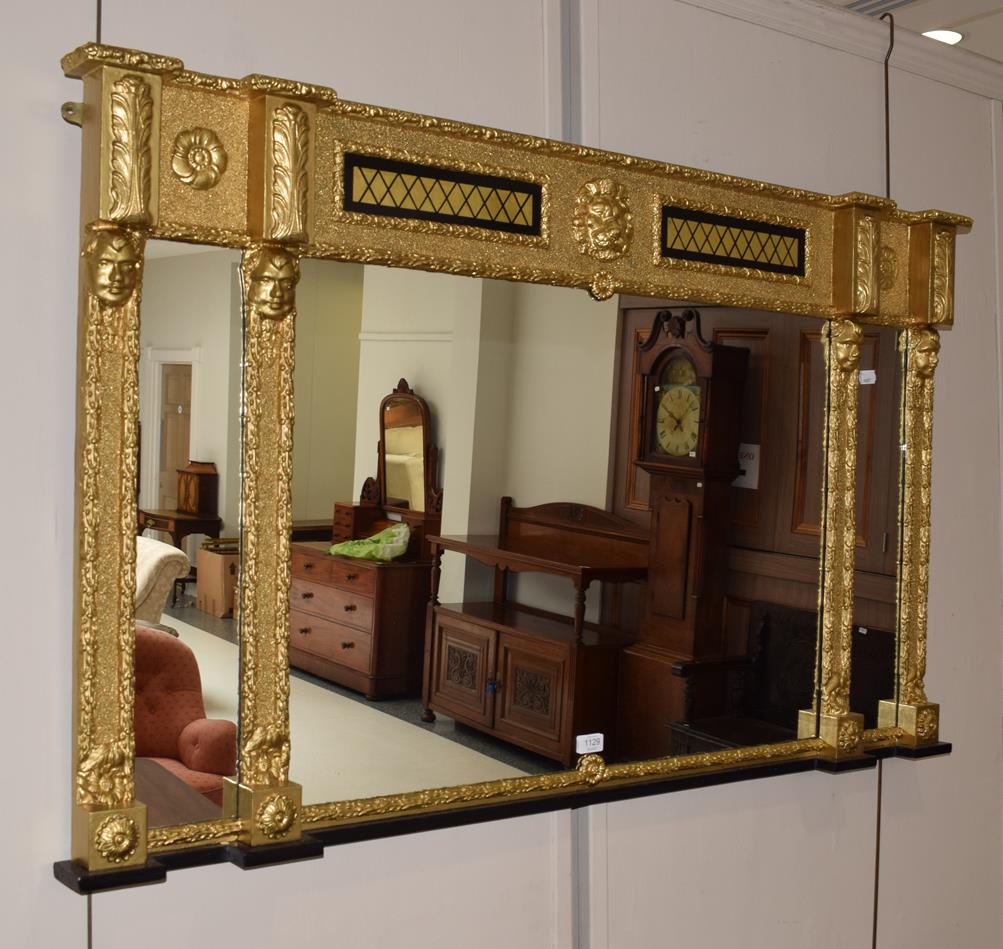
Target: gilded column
{"type": "Point", "coordinates": [109, 828]}
{"type": "Point", "coordinates": [913, 713]}
{"type": "Point", "coordinates": [263, 795]}
{"type": "Point", "coordinates": [830, 717]}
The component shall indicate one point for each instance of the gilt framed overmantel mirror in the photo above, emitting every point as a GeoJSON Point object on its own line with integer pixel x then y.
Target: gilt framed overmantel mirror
{"type": "Point", "coordinates": [516, 474]}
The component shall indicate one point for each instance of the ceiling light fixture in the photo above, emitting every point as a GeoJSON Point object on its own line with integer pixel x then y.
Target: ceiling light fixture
{"type": "Point", "coordinates": [945, 36]}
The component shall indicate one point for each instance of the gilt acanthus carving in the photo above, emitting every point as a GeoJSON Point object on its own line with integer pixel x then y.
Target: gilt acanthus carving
{"type": "Point", "coordinates": [865, 288]}
{"type": "Point", "coordinates": [290, 161]}
{"type": "Point", "coordinates": [942, 303]}
{"type": "Point", "coordinates": [131, 154]}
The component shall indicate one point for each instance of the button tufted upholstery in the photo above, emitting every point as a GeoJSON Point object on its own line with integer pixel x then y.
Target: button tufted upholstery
{"type": "Point", "coordinates": [171, 726]}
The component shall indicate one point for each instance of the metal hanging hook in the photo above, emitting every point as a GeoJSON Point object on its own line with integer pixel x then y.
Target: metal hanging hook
{"type": "Point", "coordinates": [888, 136]}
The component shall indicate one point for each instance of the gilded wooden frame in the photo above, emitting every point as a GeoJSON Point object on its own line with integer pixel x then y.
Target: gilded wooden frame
{"type": "Point", "coordinates": [261, 164]}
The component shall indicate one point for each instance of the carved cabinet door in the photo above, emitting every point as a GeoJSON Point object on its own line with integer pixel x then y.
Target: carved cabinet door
{"type": "Point", "coordinates": [533, 679]}
{"type": "Point", "coordinates": [463, 670]}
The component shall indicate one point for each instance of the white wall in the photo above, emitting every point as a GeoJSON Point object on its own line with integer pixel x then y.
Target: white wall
{"type": "Point", "coordinates": [765, 104]}
{"type": "Point", "coordinates": [325, 384]}
{"type": "Point", "coordinates": [793, 855]}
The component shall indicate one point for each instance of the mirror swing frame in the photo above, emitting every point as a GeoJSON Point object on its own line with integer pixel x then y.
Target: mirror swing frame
{"type": "Point", "coordinates": [285, 170]}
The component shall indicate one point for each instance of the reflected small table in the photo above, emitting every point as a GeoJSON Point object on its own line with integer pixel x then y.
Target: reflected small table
{"type": "Point", "coordinates": [179, 524]}
{"type": "Point", "coordinates": [168, 799]}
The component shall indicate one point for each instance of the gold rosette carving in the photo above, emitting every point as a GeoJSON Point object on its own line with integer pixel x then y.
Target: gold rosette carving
{"type": "Point", "coordinates": [198, 158]}
{"type": "Point", "coordinates": [116, 838]}
{"type": "Point", "coordinates": [603, 286]}
{"type": "Point", "coordinates": [276, 816]}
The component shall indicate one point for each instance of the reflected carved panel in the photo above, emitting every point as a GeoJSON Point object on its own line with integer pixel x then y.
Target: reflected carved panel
{"type": "Point", "coordinates": [461, 667]}
{"type": "Point", "coordinates": [532, 691]}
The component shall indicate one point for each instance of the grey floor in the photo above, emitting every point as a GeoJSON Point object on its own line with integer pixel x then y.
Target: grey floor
{"type": "Point", "coordinates": [406, 709]}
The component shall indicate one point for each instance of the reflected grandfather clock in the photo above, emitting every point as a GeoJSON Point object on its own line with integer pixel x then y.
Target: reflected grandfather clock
{"type": "Point", "coordinates": [688, 433]}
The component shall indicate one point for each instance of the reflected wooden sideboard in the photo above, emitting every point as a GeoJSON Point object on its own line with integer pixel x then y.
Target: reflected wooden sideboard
{"type": "Point", "coordinates": [525, 675]}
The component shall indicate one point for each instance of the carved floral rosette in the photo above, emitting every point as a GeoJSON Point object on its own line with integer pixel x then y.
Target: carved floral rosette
{"type": "Point", "coordinates": [198, 158]}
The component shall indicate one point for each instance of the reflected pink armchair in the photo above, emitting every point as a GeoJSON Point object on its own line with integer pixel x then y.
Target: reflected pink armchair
{"type": "Point", "coordinates": [171, 727]}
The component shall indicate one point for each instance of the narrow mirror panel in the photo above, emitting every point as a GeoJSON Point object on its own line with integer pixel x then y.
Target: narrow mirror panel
{"type": "Point", "coordinates": [188, 548]}
{"type": "Point", "coordinates": [879, 461]}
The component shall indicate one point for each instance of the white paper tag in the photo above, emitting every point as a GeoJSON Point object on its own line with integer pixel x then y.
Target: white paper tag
{"type": "Point", "coordinates": [868, 377]}
{"type": "Point", "coordinates": [589, 744]}
{"type": "Point", "coordinates": [748, 467]}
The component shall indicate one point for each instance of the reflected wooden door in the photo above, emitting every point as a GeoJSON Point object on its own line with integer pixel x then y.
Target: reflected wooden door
{"type": "Point", "coordinates": [175, 430]}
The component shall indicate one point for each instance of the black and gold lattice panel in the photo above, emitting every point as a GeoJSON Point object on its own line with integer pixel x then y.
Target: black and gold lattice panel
{"type": "Point", "coordinates": [403, 189]}
{"type": "Point", "coordinates": [732, 241]}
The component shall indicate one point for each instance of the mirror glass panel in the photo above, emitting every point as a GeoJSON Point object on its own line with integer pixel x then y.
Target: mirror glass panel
{"type": "Point", "coordinates": [188, 549]}
{"type": "Point", "coordinates": [564, 607]}
{"type": "Point", "coordinates": [402, 460]}
{"type": "Point", "coordinates": [877, 551]}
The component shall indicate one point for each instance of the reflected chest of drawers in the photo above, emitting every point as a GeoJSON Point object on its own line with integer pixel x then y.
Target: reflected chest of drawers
{"type": "Point", "coordinates": [358, 622]}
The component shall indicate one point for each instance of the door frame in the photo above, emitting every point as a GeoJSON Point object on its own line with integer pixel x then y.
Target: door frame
{"type": "Point", "coordinates": [151, 389]}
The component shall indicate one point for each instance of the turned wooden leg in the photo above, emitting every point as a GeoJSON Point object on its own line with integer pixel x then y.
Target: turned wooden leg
{"type": "Point", "coordinates": [427, 715]}
{"type": "Point", "coordinates": [579, 611]}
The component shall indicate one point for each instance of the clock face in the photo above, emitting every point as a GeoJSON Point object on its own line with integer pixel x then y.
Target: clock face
{"type": "Point", "coordinates": [677, 420]}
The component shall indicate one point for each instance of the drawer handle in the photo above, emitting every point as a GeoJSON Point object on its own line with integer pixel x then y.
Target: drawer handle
{"type": "Point", "coordinates": [307, 596]}
{"type": "Point", "coordinates": [348, 645]}
{"type": "Point", "coordinates": [308, 566]}
{"type": "Point", "coordinates": [492, 686]}
{"type": "Point", "coordinates": [305, 631]}
{"type": "Point", "coordinates": [351, 608]}
{"type": "Point", "coordinates": [351, 576]}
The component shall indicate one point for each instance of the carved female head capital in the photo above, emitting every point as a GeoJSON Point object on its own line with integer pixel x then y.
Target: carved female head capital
{"type": "Point", "coordinates": [273, 278]}
{"type": "Point", "coordinates": [112, 265]}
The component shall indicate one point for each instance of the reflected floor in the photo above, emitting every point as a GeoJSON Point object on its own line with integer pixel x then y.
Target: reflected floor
{"type": "Point", "coordinates": [407, 710]}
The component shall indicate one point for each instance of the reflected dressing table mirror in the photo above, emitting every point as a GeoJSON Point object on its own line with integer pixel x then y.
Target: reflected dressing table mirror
{"type": "Point", "coordinates": [529, 237]}
{"type": "Point", "coordinates": [359, 622]}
